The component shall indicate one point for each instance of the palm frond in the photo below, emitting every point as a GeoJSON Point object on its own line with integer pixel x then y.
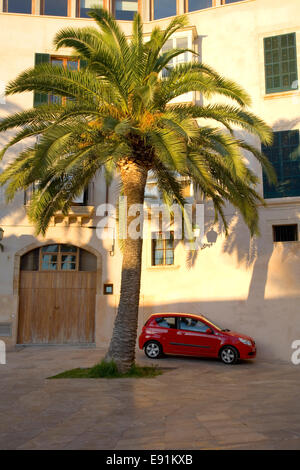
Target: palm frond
{"type": "Point", "coordinates": [118, 111]}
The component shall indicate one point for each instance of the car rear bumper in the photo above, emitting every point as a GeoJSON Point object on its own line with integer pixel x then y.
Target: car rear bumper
{"type": "Point", "coordinates": [141, 341]}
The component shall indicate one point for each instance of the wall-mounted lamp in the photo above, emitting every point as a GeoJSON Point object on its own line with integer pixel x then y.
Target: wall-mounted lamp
{"type": "Point", "coordinates": [1, 238]}
{"type": "Point", "coordinates": [211, 238]}
{"type": "Point", "coordinates": [112, 250]}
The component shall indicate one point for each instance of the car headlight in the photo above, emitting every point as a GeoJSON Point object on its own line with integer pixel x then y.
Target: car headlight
{"type": "Point", "coordinates": [245, 341]}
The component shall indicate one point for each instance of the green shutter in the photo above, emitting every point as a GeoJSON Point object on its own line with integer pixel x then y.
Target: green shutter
{"type": "Point", "coordinates": [40, 98]}
{"type": "Point", "coordinates": [83, 64]}
{"type": "Point", "coordinates": [281, 63]}
{"type": "Point", "coordinates": [284, 154]}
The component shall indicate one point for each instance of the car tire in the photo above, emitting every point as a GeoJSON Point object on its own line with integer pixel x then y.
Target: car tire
{"type": "Point", "coordinates": [229, 355]}
{"type": "Point", "coordinates": [153, 350]}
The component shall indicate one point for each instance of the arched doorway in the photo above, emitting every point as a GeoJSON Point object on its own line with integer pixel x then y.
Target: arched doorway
{"type": "Point", "coordinates": [57, 295]}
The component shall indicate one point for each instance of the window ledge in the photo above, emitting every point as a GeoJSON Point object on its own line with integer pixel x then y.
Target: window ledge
{"type": "Point", "coordinates": [282, 201]}
{"type": "Point", "coordinates": [291, 244]}
{"type": "Point", "coordinates": [163, 267]}
{"type": "Point", "coordinates": [76, 215]}
{"type": "Point", "coordinates": [281, 94]}
{"type": "Point", "coordinates": [36, 15]}
{"type": "Point", "coordinates": [82, 210]}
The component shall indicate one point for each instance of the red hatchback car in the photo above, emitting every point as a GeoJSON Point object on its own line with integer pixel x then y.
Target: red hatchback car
{"type": "Point", "coordinates": [193, 335]}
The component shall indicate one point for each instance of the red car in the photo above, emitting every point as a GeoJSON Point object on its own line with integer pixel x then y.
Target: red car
{"type": "Point", "coordinates": [193, 335]}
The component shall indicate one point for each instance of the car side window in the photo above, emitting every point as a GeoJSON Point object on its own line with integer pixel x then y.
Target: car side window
{"type": "Point", "coordinates": [166, 322]}
{"type": "Point", "coordinates": [192, 324]}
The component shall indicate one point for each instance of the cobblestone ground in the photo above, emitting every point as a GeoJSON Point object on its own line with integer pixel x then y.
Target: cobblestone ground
{"type": "Point", "coordinates": [195, 404]}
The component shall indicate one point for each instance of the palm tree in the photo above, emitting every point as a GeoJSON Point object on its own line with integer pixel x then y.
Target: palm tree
{"type": "Point", "coordinates": [118, 117]}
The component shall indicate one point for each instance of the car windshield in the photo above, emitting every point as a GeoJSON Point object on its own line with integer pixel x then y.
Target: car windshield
{"type": "Point", "coordinates": [212, 324]}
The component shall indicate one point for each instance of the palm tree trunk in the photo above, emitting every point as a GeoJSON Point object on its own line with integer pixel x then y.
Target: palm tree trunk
{"type": "Point", "coordinates": [123, 342]}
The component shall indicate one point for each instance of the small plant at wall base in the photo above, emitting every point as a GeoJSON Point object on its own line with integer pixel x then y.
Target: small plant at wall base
{"type": "Point", "coordinates": [117, 115]}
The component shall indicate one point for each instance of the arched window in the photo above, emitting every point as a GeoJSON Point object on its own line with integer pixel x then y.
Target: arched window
{"type": "Point", "coordinates": [59, 257]}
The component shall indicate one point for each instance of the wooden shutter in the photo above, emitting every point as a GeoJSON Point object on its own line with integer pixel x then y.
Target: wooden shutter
{"type": "Point", "coordinates": [40, 98]}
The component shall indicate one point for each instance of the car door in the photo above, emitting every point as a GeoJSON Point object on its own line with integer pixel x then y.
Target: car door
{"type": "Point", "coordinates": [194, 338]}
{"type": "Point", "coordinates": [164, 329]}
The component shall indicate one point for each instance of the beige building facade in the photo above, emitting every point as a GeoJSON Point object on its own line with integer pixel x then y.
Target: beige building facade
{"type": "Point", "coordinates": [247, 285]}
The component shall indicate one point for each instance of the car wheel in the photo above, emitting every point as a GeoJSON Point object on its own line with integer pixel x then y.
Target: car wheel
{"type": "Point", "coordinates": [229, 355]}
{"type": "Point", "coordinates": [153, 350]}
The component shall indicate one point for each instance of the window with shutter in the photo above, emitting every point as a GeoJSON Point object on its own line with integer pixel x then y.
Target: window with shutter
{"type": "Point", "coordinates": [284, 154]}
{"type": "Point", "coordinates": [41, 98]}
{"type": "Point", "coordinates": [281, 63]}
{"type": "Point", "coordinates": [66, 62]}
{"type": "Point", "coordinates": [72, 64]}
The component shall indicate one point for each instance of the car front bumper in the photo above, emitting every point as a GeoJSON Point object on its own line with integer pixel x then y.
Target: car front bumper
{"type": "Point", "coordinates": [247, 352]}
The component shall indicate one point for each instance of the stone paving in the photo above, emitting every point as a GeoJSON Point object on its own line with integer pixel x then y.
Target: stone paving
{"type": "Point", "coordinates": [195, 404]}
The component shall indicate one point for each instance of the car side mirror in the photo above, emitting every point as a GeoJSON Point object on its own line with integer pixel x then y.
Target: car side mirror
{"type": "Point", "coordinates": [209, 331]}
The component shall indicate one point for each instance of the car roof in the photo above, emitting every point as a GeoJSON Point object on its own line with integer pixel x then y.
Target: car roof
{"type": "Point", "coordinates": [163, 314]}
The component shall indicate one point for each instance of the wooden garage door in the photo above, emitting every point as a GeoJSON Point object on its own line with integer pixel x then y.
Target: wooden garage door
{"type": "Point", "coordinates": [57, 307]}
